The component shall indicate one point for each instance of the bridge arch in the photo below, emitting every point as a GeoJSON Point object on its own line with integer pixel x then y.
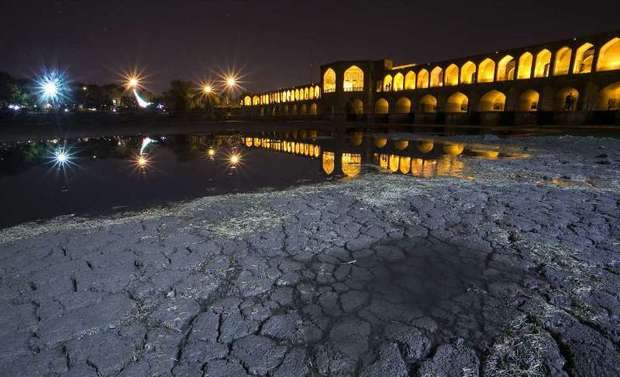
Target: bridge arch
{"type": "Point", "coordinates": [562, 61]}
{"type": "Point", "coordinates": [382, 106]}
{"type": "Point", "coordinates": [399, 81]}
{"type": "Point", "coordinates": [410, 80]}
{"type": "Point", "coordinates": [543, 63]}
{"type": "Point", "coordinates": [452, 75]}
{"type": "Point", "coordinates": [468, 73]}
{"type": "Point", "coordinates": [387, 83]}
{"type": "Point", "coordinates": [402, 106]}
{"type": "Point", "coordinates": [436, 77]}
{"type": "Point", "coordinates": [506, 68]}
{"type": "Point", "coordinates": [329, 81]}
{"type": "Point", "coordinates": [486, 70]}
{"type": "Point", "coordinates": [609, 56]}
{"type": "Point", "coordinates": [457, 103]}
{"type": "Point", "coordinates": [566, 99]}
{"type": "Point", "coordinates": [422, 79]}
{"type": "Point", "coordinates": [428, 104]}
{"type": "Point", "coordinates": [609, 98]}
{"type": "Point", "coordinates": [353, 79]}
{"type": "Point", "coordinates": [584, 58]}
{"type": "Point", "coordinates": [528, 101]}
{"type": "Point", "coordinates": [493, 100]}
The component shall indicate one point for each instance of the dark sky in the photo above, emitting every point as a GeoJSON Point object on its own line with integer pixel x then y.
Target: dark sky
{"type": "Point", "coordinates": [275, 43]}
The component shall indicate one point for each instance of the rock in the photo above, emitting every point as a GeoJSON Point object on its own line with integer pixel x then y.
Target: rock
{"type": "Point", "coordinates": [451, 361]}
{"type": "Point", "coordinates": [389, 363]}
{"type": "Point", "coordinates": [258, 353]}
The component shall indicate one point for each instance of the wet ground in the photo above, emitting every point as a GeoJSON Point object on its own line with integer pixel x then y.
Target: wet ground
{"type": "Point", "coordinates": [463, 263]}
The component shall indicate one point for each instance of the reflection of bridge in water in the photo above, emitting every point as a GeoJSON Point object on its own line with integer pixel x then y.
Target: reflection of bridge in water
{"type": "Point", "coordinates": [346, 155]}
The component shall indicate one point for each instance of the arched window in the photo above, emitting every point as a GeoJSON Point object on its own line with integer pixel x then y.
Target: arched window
{"type": "Point", "coordinates": [486, 70]}
{"type": "Point", "coordinates": [398, 81]}
{"type": "Point", "coordinates": [506, 69]}
{"type": "Point", "coordinates": [543, 63]}
{"type": "Point", "coordinates": [584, 58]}
{"type": "Point", "coordinates": [353, 79]}
{"type": "Point", "coordinates": [566, 99]}
{"type": "Point", "coordinates": [410, 80]}
{"type": "Point", "coordinates": [382, 106]}
{"type": "Point", "coordinates": [492, 101]}
{"type": "Point", "coordinates": [387, 83]}
{"type": "Point", "coordinates": [436, 77]}
{"type": "Point", "coordinates": [562, 61]}
{"type": "Point", "coordinates": [468, 73]}
{"type": "Point", "coordinates": [310, 92]}
{"type": "Point", "coordinates": [528, 101]}
{"type": "Point", "coordinates": [247, 101]}
{"type": "Point", "coordinates": [609, 56]}
{"type": "Point", "coordinates": [457, 103]}
{"type": "Point", "coordinates": [609, 98]}
{"type": "Point", "coordinates": [428, 104]}
{"type": "Point", "coordinates": [317, 91]}
{"type": "Point", "coordinates": [306, 93]}
{"type": "Point", "coordinates": [403, 106]}
{"type": "Point", "coordinates": [255, 100]}
{"type": "Point", "coordinates": [296, 94]}
{"type": "Point", "coordinates": [452, 75]}
{"type": "Point", "coordinates": [329, 81]}
{"type": "Point", "coordinates": [525, 65]}
{"type": "Point", "coordinates": [422, 79]}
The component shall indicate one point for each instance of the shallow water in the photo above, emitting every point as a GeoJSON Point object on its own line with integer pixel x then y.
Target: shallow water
{"type": "Point", "coordinates": [41, 179]}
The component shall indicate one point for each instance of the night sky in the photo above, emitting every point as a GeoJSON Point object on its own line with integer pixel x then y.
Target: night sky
{"type": "Point", "coordinates": [274, 43]}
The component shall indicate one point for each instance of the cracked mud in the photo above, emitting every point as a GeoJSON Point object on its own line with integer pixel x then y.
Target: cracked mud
{"type": "Point", "coordinates": [515, 272]}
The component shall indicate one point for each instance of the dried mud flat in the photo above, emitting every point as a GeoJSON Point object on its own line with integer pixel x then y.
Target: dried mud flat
{"type": "Point", "coordinates": [512, 272]}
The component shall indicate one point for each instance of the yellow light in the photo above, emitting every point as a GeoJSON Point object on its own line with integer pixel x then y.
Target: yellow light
{"type": "Point", "coordinates": [211, 152]}
{"type": "Point", "coordinates": [207, 89]}
{"type": "Point", "coordinates": [235, 159]}
{"type": "Point", "coordinates": [133, 82]}
{"type": "Point", "coordinates": [231, 81]}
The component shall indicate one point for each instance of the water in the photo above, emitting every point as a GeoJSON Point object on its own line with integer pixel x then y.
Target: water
{"type": "Point", "coordinates": [108, 174]}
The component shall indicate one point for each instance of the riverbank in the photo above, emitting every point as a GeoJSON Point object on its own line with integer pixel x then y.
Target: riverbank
{"type": "Point", "coordinates": [514, 270]}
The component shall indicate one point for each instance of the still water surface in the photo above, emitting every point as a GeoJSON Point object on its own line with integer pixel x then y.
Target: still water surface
{"type": "Point", "coordinates": [41, 179]}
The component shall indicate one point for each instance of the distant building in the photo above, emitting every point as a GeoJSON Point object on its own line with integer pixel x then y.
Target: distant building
{"type": "Point", "coordinates": [569, 81]}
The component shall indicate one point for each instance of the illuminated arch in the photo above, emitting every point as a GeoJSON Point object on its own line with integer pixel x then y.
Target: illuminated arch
{"type": "Point", "coordinates": [428, 104]}
{"type": "Point", "coordinates": [525, 65]}
{"type": "Point", "coordinates": [382, 106]}
{"type": "Point", "coordinates": [486, 70]}
{"type": "Point", "coordinates": [528, 101]}
{"type": "Point", "coordinates": [306, 93]}
{"type": "Point", "coordinates": [303, 110]}
{"type": "Point", "coordinates": [393, 162]}
{"type": "Point", "coordinates": [410, 80]}
{"type": "Point", "coordinates": [609, 56]}
{"type": "Point", "coordinates": [317, 91]}
{"type": "Point", "coordinates": [452, 75]}
{"type": "Point", "coordinates": [329, 162]}
{"type": "Point", "coordinates": [387, 83]}
{"type": "Point", "coordinates": [566, 99]}
{"type": "Point", "coordinates": [422, 79]}
{"type": "Point", "coordinates": [399, 81]}
{"type": "Point", "coordinates": [492, 101]}
{"type": "Point", "coordinates": [562, 61]}
{"type": "Point", "coordinates": [457, 103]}
{"type": "Point", "coordinates": [402, 106]}
{"type": "Point", "coordinates": [468, 73]}
{"type": "Point", "coordinates": [247, 101]}
{"type": "Point", "coordinates": [543, 63]}
{"type": "Point", "coordinates": [506, 68]}
{"type": "Point", "coordinates": [609, 98]}
{"type": "Point", "coordinates": [310, 92]}
{"type": "Point", "coordinates": [353, 80]}
{"type": "Point", "coordinates": [296, 94]}
{"type": "Point", "coordinates": [255, 100]}
{"type": "Point", "coordinates": [351, 164]}
{"type": "Point", "coordinates": [313, 109]}
{"type": "Point", "coordinates": [355, 106]}
{"type": "Point", "coordinates": [584, 57]}
{"type": "Point", "coordinates": [329, 81]}
{"type": "Point", "coordinates": [436, 77]}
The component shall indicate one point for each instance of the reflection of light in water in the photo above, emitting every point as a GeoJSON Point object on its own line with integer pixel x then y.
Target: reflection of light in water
{"type": "Point", "coordinates": [61, 158]}
{"type": "Point", "coordinates": [351, 164]}
{"type": "Point", "coordinates": [141, 102]}
{"type": "Point", "coordinates": [488, 154]}
{"type": "Point", "coordinates": [380, 142]}
{"type": "Point", "coordinates": [317, 151]}
{"type": "Point", "coordinates": [425, 146]}
{"type": "Point", "coordinates": [453, 149]}
{"type": "Point", "coordinates": [328, 162]}
{"type": "Point", "coordinates": [416, 166]}
{"type": "Point", "coordinates": [145, 143]}
{"type": "Point", "coordinates": [405, 164]}
{"type": "Point", "coordinates": [141, 162]}
{"type": "Point", "coordinates": [393, 163]}
{"type": "Point", "coordinates": [384, 161]}
{"type": "Point", "coordinates": [401, 144]}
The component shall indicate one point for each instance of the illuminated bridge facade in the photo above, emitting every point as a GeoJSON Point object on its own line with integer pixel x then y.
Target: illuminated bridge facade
{"type": "Point", "coordinates": [574, 81]}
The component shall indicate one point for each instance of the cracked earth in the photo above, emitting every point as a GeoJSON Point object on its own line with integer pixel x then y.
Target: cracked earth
{"type": "Point", "coordinates": [513, 272]}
